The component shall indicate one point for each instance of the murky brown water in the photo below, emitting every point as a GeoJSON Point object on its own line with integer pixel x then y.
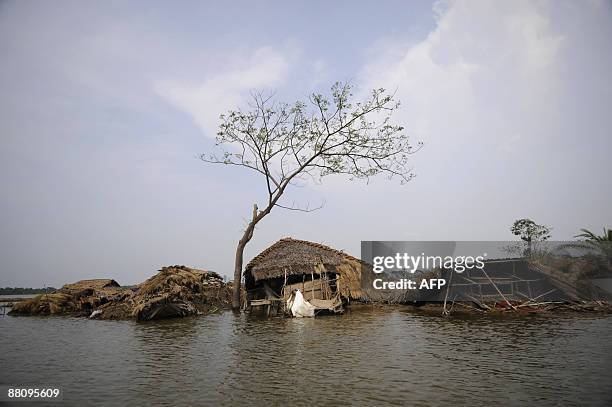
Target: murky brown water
{"type": "Point", "coordinates": [365, 357]}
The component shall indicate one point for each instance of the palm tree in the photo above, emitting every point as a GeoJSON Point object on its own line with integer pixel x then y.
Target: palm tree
{"type": "Point", "coordinates": [592, 237]}
{"type": "Point", "coordinates": [601, 245]}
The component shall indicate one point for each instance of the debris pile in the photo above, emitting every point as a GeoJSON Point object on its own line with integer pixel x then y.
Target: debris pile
{"type": "Point", "coordinates": [176, 291]}
{"type": "Point", "coordinates": [79, 299]}
{"type": "Point", "coordinates": [499, 308]}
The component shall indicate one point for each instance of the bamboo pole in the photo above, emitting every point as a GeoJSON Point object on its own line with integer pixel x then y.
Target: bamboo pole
{"type": "Point", "coordinates": [444, 313]}
{"type": "Point", "coordinates": [321, 285]}
{"type": "Point", "coordinates": [498, 290]}
{"type": "Point", "coordinates": [312, 284]}
{"type": "Point", "coordinates": [539, 296]}
{"type": "Point", "coordinates": [285, 286]}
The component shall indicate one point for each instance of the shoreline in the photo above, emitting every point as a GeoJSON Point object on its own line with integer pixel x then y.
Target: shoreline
{"type": "Point", "coordinates": [461, 310]}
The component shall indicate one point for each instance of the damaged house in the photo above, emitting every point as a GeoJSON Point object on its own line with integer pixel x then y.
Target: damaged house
{"type": "Point", "coordinates": [176, 291]}
{"type": "Point", "coordinates": [510, 284]}
{"type": "Point", "coordinates": [79, 298]}
{"type": "Point", "coordinates": [326, 277]}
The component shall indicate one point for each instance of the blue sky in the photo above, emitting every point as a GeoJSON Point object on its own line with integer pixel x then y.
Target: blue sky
{"type": "Point", "coordinates": [106, 104]}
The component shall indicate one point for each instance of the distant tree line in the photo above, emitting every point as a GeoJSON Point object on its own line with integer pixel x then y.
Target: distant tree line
{"type": "Point", "coordinates": [24, 290]}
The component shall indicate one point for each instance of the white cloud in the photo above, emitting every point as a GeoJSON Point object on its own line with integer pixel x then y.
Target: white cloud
{"type": "Point", "coordinates": [320, 72]}
{"type": "Point", "coordinates": [265, 68]}
{"type": "Point", "coordinates": [483, 63]}
{"type": "Point", "coordinates": [508, 98]}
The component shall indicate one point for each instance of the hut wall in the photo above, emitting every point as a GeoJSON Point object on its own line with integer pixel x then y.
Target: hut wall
{"type": "Point", "coordinates": [349, 280]}
{"type": "Point", "coordinates": [318, 288]}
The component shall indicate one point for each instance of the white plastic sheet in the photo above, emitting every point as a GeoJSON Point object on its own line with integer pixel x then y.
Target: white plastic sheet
{"type": "Point", "coordinates": [299, 306]}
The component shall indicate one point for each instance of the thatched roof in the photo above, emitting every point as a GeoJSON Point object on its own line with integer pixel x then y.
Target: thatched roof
{"type": "Point", "coordinates": [178, 276]}
{"type": "Point", "coordinates": [96, 283]}
{"type": "Point", "coordinates": [175, 291]}
{"type": "Point", "coordinates": [295, 257]}
{"type": "Point", "coordinates": [78, 298]}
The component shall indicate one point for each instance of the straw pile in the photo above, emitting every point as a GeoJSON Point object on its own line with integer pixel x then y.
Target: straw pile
{"type": "Point", "coordinates": [79, 298]}
{"type": "Point", "coordinates": [178, 291]}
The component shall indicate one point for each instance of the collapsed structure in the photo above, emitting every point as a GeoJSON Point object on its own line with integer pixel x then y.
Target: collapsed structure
{"type": "Point", "coordinates": [80, 298]}
{"type": "Point", "coordinates": [508, 284]}
{"type": "Point", "coordinates": [179, 291]}
{"type": "Point", "coordinates": [176, 291]}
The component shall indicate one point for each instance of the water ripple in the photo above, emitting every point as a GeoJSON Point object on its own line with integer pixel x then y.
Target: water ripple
{"type": "Point", "coordinates": [367, 356]}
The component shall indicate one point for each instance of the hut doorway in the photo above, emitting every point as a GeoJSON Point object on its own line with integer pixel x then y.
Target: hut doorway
{"type": "Point", "coordinates": [315, 286]}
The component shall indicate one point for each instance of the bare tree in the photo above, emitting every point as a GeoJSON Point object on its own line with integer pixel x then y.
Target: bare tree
{"type": "Point", "coordinates": [328, 135]}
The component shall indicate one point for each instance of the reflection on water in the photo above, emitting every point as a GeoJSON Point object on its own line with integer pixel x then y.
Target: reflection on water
{"type": "Point", "coordinates": [367, 356]}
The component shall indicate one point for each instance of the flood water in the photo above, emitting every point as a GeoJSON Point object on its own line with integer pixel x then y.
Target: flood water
{"type": "Point", "coordinates": [365, 357]}
{"type": "Point", "coordinates": [4, 297]}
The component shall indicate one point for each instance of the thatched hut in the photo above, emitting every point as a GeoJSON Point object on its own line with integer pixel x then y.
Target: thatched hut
{"type": "Point", "coordinates": [318, 271]}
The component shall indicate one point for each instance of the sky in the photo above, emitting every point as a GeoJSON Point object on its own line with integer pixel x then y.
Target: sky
{"type": "Point", "coordinates": [105, 106]}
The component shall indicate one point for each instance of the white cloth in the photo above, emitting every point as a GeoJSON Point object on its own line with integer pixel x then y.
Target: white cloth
{"type": "Point", "coordinates": [299, 306]}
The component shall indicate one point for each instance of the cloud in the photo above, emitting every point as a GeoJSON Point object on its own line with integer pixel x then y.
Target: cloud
{"type": "Point", "coordinates": [483, 63]}
{"type": "Point", "coordinates": [508, 98]}
{"type": "Point", "coordinates": [265, 68]}
{"type": "Point", "coordinates": [320, 72]}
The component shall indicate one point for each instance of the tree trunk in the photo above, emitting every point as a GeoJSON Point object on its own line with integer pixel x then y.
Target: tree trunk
{"type": "Point", "coordinates": [238, 274]}
{"type": "Point", "coordinates": [246, 237]}
{"type": "Point", "coordinates": [528, 247]}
